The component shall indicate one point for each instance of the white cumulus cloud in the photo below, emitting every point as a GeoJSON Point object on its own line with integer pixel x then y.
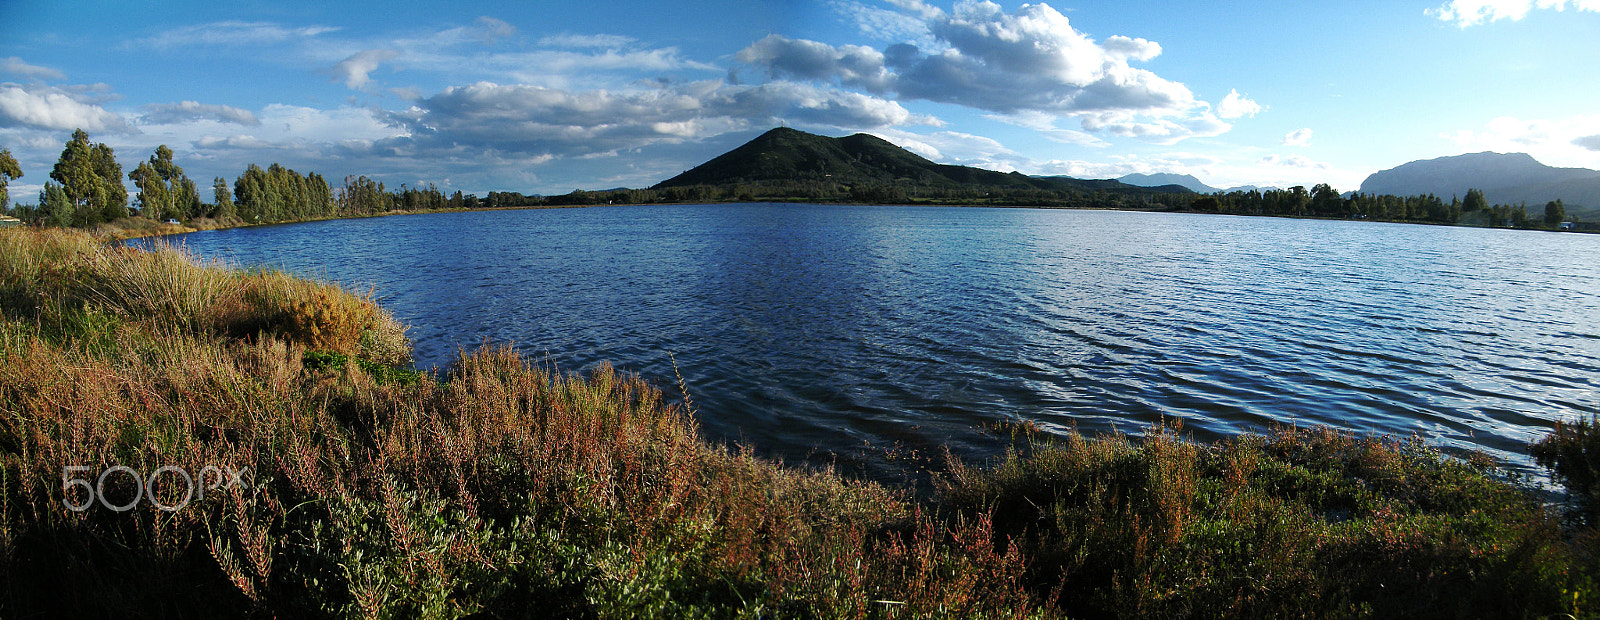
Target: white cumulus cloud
{"type": "Point", "coordinates": [949, 146]}
{"type": "Point", "coordinates": [1013, 64]}
{"type": "Point", "coordinates": [40, 107]}
{"type": "Point", "coordinates": [1472, 12]}
{"type": "Point", "coordinates": [536, 120]}
{"type": "Point", "coordinates": [1236, 105]}
{"type": "Point", "coordinates": [1568, 141]}
{"type": "Point", "coordinates": [849, 65]}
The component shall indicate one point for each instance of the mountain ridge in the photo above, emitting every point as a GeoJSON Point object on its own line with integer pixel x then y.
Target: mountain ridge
{"type": "Point", "coordinates": [1504, 178]}
{"type": "Point", "coordinates": [866, 166]}
{"type": "Point", "coordinates": [785, 155]}
{"type": "Point", "coordinates": [1168, 178]}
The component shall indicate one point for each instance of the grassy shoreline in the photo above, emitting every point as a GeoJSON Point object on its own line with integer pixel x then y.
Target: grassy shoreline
{"type": "Point", "coordinates": [498, 488]}
{"type": "Point", "coordinates": [135, 227]}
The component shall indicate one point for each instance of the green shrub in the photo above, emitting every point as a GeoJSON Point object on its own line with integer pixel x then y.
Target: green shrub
{"type": "Point", "coordinates": [1295, 523]}
{"type": "Point", "coordinates": [383, 375]}
{"type": "Point", "coordinates": [328, 322]}
{"type": "Point", "coordinates": [1572, 454]}
{"type": "Point", "coordinates": [385, 343]}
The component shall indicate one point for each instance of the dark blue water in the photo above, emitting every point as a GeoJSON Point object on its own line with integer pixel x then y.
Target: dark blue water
{"type": "Point", "coordinates": [848, 335]}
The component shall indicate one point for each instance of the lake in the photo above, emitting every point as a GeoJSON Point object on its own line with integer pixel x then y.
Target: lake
{"type": "Point", "coordinates": [866, 337]}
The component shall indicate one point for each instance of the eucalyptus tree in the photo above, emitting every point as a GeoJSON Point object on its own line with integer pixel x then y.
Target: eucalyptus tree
{"type": "Point", "coordinates": [9, 169]}
{"type": "Point", "coordinates": [54, 206]}
{"type": "Point", "coordinates": [224, 198]}
{"type": "Point", "coordinates": [1326, 202]}
{"type": "Point", "coordinates": [278, 194]}
{"type": "Point", "coordinates": [91, 180]}
{"type": "Point", "coordinates": [1555, 212]}
{"type": "Point", "coordinates": [164, 191]}
{"type": "Point", "coordinates": [154, 198]}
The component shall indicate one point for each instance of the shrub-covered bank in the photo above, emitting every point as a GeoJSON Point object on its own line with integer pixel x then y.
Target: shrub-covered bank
{"type": "Point", "coordinates": [339, 483]}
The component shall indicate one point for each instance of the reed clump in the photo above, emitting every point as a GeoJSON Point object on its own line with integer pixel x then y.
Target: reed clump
{"type": "Point", "coordinates": [336, 485]}
{"type": "Point", "coordinates": [1572, 453]}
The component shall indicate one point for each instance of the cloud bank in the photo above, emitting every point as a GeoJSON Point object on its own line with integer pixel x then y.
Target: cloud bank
{"type": "Point", "coordinates": [535, 120]}
{"type": "Point", "coordinates": [1473, 12]}
{"type": "Point", "coordinates": [15, 66]}
{"type": "Point", "coordinates": [1030, 62]}
{"type": "Point", "coordinates": [1570, 141]}
{"type": "Point", "coordinates": [1236, 105]}
{"type": "Point", "coordinates": [51, 108]}
{"type": "Point", "coordinates": [193, 111]}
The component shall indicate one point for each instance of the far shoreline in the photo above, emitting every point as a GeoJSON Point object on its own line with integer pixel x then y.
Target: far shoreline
{"type": "Point", "coordinates": [119, 231]}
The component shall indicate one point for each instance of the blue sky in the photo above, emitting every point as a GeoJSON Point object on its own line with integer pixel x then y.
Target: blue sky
{"type": "Point", "coordinates": [548, 97]}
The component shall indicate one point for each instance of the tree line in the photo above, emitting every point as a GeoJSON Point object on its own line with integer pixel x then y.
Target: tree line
{"type": "Point", "coordinates": [86, 188]}
{"type": "Point", "coordinates": [1323, 201]}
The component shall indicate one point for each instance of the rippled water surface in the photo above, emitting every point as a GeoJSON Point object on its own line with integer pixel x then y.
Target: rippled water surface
{"type": "Point", "coordinates": [838, 332]}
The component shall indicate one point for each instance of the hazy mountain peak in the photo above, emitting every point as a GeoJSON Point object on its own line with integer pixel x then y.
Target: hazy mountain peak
{"type": "Point", "coordinates": [1506, 178]}
{"type": "Point", "coordinates": [1167, 178]}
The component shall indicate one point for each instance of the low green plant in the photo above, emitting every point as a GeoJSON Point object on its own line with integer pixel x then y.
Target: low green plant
{"type": "Point", "coordinates": [1572, 454]}
{"type": "Point", "coordinates": [336, 362]}
{"type": "Point", "coordinates": [1295, 523]}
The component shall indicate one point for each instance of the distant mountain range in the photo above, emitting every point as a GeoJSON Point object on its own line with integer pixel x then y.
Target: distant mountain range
{"type": "Point", "coordinates": [785, 155]}
{"type": "Point", "coordinates": [788, 156]}
{"type": "Point", "coordinates": [1184, 180]}
{"type": "Point", "coordinates": [1167, 178]}
{"type": "Point", "coordinates": [1504, 178]}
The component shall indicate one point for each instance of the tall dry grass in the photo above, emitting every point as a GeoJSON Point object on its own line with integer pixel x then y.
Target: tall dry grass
{"type": "Point", "coordinates": [166, 287]}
